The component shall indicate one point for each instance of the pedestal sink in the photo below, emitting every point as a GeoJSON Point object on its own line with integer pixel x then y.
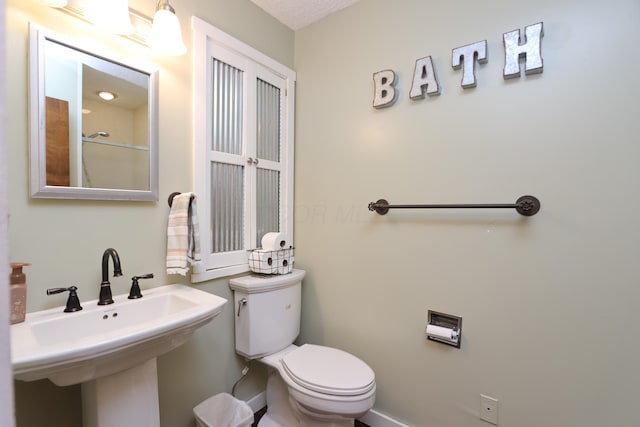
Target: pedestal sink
{"type": "Point", "coordinates": [111, 349]}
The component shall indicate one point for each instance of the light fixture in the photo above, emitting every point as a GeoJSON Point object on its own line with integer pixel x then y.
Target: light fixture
{"type": "Point", "coordinates": [166, 35]}
{"type": "Point", "coordinates": [54, 3]}
{"type": "Point", "coordinates": [110, 15]}
{"type": "Point", "coordinates": [106, 95]}
{"type": "Point", "coordinates": [162, 34]}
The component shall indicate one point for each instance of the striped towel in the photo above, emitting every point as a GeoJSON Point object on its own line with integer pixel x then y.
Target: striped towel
{"type": "Point", "coordinates": [183, 234]}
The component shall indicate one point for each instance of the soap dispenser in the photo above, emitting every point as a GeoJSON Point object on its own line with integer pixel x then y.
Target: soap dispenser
{"type": "Point", "coordinates": [18, 282]}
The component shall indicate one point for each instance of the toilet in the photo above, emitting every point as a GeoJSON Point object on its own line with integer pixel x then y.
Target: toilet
{"type": "Point", "coordinates": [308, 385]}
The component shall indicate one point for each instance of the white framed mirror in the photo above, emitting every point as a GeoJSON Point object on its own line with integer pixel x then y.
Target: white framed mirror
{"type": "Point", "coordinates": [84, 145]}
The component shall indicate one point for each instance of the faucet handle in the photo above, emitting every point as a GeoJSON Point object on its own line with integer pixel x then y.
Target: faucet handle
{"type": "Point", "coordinates": [73, 302]}
{"type": "Point", "coordinates": [135, 293]}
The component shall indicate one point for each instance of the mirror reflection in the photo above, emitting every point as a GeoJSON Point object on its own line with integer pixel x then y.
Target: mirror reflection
{"type": "Point", "coordinates": [99, 125]}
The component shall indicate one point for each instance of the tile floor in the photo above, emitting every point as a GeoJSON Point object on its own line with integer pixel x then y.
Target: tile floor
{"type": "Point", "coordinates": [261, 412]}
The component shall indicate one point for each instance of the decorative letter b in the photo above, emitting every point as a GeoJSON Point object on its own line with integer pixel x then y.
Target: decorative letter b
{"type": "Point", "coordinates": [384, 90]}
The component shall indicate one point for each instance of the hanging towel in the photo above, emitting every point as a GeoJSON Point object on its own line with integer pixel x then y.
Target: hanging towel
{"type": "Point", "coordinates": [183, 234]}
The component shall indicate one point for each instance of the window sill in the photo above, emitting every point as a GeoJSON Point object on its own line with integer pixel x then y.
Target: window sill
{"type": "Point", "coordinates": [203, 275]}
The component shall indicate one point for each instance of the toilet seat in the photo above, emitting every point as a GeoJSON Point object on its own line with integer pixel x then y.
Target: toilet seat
{"type": "Point", "coordinates": [305, 371]}
{"type": "Point", "coordinates": [328, 371]}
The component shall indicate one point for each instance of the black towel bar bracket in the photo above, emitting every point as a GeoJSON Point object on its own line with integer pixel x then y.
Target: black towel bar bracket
{"type": "Point", "coordinates": [171, 196]}
{"type": "Point", "coordinates": [525, 205]}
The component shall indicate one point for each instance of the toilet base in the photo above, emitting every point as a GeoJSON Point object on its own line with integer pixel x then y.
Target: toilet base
{"type": "Point", "coordinates": [281, 412]}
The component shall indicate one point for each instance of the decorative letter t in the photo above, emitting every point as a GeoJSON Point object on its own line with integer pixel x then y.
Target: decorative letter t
{"type": "Point", "coordinates": [469, 52]}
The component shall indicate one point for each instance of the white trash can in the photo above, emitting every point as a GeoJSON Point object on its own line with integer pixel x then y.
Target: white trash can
{"type": "Point", "coordinates": [223, 410]}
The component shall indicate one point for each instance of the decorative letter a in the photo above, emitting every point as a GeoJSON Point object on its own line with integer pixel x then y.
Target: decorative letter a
{"type": "Point", "coordinates": [424, 79]}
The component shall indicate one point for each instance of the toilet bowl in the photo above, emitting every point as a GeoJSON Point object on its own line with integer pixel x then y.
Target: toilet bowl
{"type": "Point", "coordinates": [310, 385]}
{"type": "Point", "coordinates": [323, 384]}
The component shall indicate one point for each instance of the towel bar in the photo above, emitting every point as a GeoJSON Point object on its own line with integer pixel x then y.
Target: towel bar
{"type": "Point", "coordinates": [525, 205]}
{"type": "Point", "coordinates": [171, 196]}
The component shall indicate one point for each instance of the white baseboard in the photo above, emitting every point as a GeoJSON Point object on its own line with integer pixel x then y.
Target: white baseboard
{"type": "Point", "coordinates": [373, 418]}
{"type": "Point", "coordinates": [258, 402]}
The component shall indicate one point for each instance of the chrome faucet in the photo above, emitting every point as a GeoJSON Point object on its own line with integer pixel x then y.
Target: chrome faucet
{"type": "Point", "coordinates": [105, 286]}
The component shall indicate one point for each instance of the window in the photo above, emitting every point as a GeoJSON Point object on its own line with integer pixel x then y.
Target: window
{"type": "Point", "coordinates": [243, 159]}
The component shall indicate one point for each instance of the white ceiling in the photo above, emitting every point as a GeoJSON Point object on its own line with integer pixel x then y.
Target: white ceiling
{"type": "Point", "coordinates": [297, 14]}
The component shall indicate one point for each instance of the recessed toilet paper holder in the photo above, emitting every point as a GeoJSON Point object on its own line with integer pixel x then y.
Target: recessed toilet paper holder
{"type": "Point", "coordinates": [444, 328]}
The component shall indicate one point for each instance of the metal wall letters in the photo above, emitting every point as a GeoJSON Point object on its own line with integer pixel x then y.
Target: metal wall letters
{"type": "Point", "coordinates": [465, 57]}
{"type": "Point", "coordinates": [385, 91]}
{"type": "Point", "coordinates": [424, 79]}
{"type": "Point", "coordinates": [469, 54]}
{"type": "Point", "coordinates": [514, 50]}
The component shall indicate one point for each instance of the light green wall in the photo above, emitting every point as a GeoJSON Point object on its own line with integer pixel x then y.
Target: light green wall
{"type": "Point", "coordinates": [64, 240]}
{"type": "Point", "coordinates": [548, 303]}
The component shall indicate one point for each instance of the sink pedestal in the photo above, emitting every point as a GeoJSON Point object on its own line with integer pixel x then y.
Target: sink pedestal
{"type": "Point", "coordinates": [126, 398]}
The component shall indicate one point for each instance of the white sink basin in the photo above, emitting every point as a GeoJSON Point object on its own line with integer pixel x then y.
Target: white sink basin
{"type": "Point", "coordinates": [72, 348]}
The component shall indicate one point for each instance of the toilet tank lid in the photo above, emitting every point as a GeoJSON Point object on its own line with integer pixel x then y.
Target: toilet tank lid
{"type": "Point", "coordinates": [255, 283]}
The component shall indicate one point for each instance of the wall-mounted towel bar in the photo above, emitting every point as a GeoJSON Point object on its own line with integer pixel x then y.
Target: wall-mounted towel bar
{"type": "Point", "coordinates": [525, 205]}
{"type": "Point", "coordinates": [176, 193]}
{"type": "Point", "coordinates": [171, 196]}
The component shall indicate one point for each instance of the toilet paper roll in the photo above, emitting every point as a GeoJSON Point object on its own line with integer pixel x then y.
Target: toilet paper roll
{"type": "Point", "coordinates": [442, 332]}
{"type": "Point", "coordinates": [285, 262]}
{"type": "Point", "coordinates": [262, 261]}
{"type": "Point", "coordinates": [274, 241]}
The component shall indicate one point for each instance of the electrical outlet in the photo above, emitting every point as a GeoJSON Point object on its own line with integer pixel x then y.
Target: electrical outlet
{"type": "Point", "coordinates": [489, 409]}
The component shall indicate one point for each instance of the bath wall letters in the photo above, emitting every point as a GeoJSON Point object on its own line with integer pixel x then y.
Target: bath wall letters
{"type": "Point", "coordinates": [424, 79]}
{"type": "Point", "coordinates": [465, 58]}
{"type": "Point", "coordinates": [384, 88]}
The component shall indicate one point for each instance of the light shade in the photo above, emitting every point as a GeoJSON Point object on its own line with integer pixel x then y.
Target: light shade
{"type": "Point", "coordinates": [166, 35]}
{"type": "Point", "coordinates": [54, 3]}
{"type": "Point", "coordinates": [110, 15]}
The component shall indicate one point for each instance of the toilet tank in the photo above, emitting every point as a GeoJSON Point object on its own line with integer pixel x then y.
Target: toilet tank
{"type": "Point", "coordinates": [267, 312]}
